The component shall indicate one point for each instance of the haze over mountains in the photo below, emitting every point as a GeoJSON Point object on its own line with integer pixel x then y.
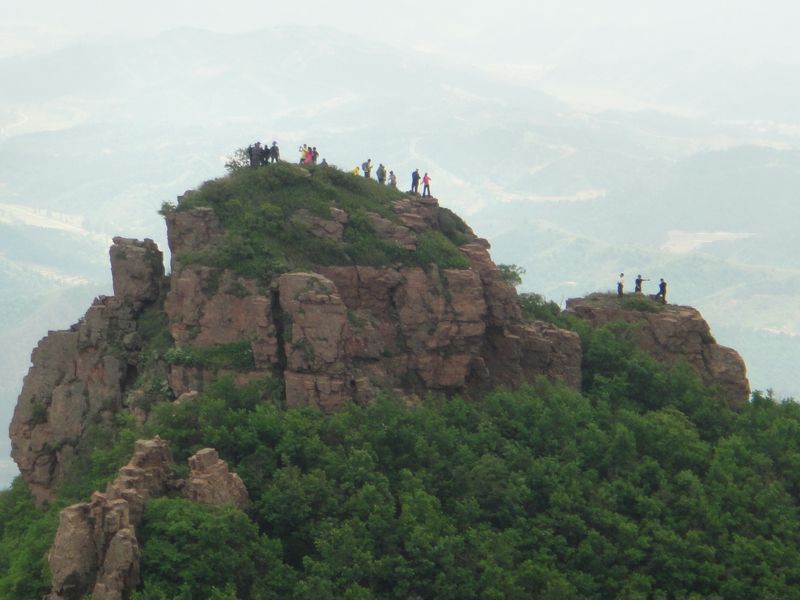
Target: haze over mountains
{"type": "Point", "coordinates": [93, 138]}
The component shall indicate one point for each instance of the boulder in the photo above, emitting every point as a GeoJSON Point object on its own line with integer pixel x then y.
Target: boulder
{"type": "Point", "coordinates": [210, 482]}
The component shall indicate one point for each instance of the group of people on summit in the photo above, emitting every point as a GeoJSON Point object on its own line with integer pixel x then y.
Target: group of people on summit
{"type": "Point", "coordinates": [263, 155]}
{"type": "Point", "coordinates": [662, 287]}
{"type": "Point", "coordinates": [380, 173]}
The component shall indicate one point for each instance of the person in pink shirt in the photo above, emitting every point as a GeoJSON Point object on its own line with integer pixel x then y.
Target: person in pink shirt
{"type": "Point", "coordinates": [426, 185]}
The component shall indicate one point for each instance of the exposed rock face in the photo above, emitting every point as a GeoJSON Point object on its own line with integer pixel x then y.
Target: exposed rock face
{"type": "Point", "coordinates": [210, 482]}
{"type": "Point", "coordinates": [79, 376]}
{"type": "Point", "coordinates": [333, 335]}
{"type": "Point", "coordinates": [672, 335]}
{"type": "Point", "coordinates": [95, 549]}
{"type": "Point", "coordinates": [342, 332]}
{"type": "Point", "coordinates": [137, 271]}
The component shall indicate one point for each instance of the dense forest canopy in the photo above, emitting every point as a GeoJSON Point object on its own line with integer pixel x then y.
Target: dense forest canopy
{"type": "Point", "coordinates": [642, 485]}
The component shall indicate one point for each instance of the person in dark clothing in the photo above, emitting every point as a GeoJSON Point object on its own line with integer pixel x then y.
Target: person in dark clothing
{"type": "Point", "coordinates": [638, 288]}
{"type": "Point", "coordinates": [324, 163]}
{"type": "Point", "coordinates": [314, 155]}
{"type": "Point", "coordinates": [381, 174]}
{"type": "Point", "coordinates": [415, 181]}
{"type": "Point", "coordinates": [620, 284]}
{"type": "Point", "coordinates": [274, 152]}
{"type": "Point", "coordinates": [255, 154]}
{"type": "Point", "coordinates": [662, 291]}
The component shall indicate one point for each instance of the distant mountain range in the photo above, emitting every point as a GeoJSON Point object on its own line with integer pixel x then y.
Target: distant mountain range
{"type": "Point", "coordinates": [94, 138]}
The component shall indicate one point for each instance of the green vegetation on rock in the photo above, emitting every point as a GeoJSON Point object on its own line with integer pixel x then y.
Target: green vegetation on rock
{"type": "Point", "coordinates": [262, 239]}
{"type": "Point", "coordinates": [234, 355]}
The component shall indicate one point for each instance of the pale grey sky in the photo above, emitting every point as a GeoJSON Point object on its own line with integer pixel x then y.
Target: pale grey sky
{"type": "Point", "coordinates": [628, 54]}
{"type": "Point", "coordinates": [517, 30]}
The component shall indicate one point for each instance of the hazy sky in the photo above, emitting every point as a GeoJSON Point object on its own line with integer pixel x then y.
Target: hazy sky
{"type": "Point", "coordinates": [509, 30]}
{"type": "Point", "coordinates": [594, 54]}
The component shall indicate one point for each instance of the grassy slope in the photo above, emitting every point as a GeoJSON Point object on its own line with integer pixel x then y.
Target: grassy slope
{"type": "Point", "coordinates": [256, 207]}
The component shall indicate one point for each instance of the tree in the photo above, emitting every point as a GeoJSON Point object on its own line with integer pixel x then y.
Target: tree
{"type": "Point", "coordinates": [511, 274]}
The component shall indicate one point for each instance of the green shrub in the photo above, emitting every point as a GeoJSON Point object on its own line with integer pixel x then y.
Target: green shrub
{"type": "Point", "coordinates": [188, 549]}
{"type": "Point", "coordinates": [511, 274]}
{"type": "Point", "coordinates": [26, 533]}
{"type": "Point", "coordinates": [435, 248]}
{"type": "Point", "coordinates": [234, 355]}
{"type": "Point", "coordinates": [641, 303]}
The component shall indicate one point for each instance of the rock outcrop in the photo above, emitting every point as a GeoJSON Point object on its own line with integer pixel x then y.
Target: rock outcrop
{"type": "Point", "coordinates": [80, 376]}
{"type": "Point", "coordinates": [340, 333]}
{"type": "Point", "coordinates": [95, 549]}
{"type": "Point", "coordinates": [210, 481]}
{"type": "Point", "coordinates": [673, 334]}
{"type": "Point", "coordinates": [333, 334]}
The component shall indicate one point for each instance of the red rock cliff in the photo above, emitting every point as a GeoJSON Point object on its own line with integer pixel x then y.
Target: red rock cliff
{"type": "Point", "coordinates": [333, 334]}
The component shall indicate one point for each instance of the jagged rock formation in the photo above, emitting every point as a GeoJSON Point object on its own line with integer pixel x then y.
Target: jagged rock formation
{"type": "Point", "coordinates": [95, 548]}
{"type": "Point", "coordinates": [332, 334]}
{"type": "Point", "coordinates": [210, 482]}
{"type": "Point", "coordinates": [80, 376]}
{"type": "Point", "coordinates": [673, 334]}
{"type": "Point", "coordinates": [342, 332]}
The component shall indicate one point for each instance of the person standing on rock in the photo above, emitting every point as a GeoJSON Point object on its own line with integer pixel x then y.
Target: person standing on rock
{"type": "Point", "coordinates": [620, 284]}
{"type": "Point", "coordinates": [254, 153]}
{"type": "Point", "coordinates": [662, 291]}
{"type": "Point", "coordinates": [415, 181]}
{"type": "Point", "coordinates": [638, 281]}
{"type": "Point", "coordinates": [381, 174]}
{"type": "Point", "coordinates": [426, 185]}
{"type": "Point", "coordinates": [367, 168]}
{"type": "Point", "coordinates": [392, 180]}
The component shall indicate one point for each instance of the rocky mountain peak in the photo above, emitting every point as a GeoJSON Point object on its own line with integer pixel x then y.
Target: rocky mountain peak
{"type": "Point", "coordinates": [330, 284]}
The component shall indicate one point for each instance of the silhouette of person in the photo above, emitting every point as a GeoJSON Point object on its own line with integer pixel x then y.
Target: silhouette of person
{"type": "Point", "coordinates": [254, 153]}
{"type": "Point", "coordinates": [274, 152]}
{"type": "Point", "coordinates": [620, 284]}
{"type": "Point", "coordinates": [392, 179]}
{"type": "Point", "coordinates": [415, 181]}
{"type": "Point", "coordinates": [638, 281]}
{"type": "Point", "coordinates": [662, 291]}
